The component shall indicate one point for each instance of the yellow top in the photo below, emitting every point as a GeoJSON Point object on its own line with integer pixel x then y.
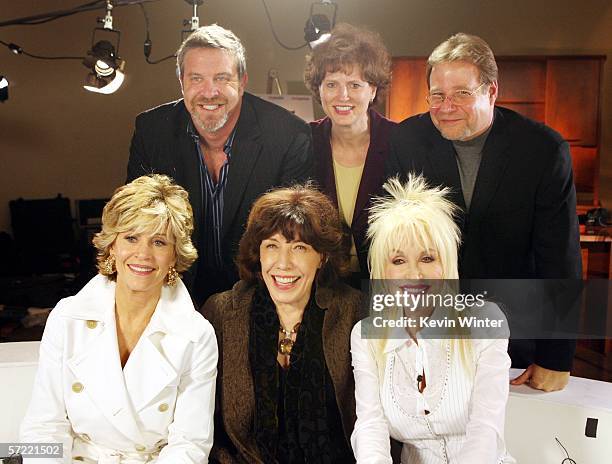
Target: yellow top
{"type": "Point", "coordinates": [347, 187]}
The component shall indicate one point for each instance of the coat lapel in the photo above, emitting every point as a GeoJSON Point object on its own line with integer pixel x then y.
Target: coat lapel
{"type": "Point", "coordinates": [373, 171]}
{"type": "Point", "coordinates": [188, 167]}
{"type": "Point", "coordinates": [147, 371]}
{"type": "Point", "coordinates": [246, 149]}
{"type": "Point", "coordinates": [170, 330]}
{"type": "Point", "coordinates": [337, 326]}
{"type": "Point", "coordinates": [97, 365]}
{"type": "Point", "coordinates": [443, 160]}
{"type": "Point", "coordinates": [324, 168]}
{"type": "Point", "coordinates": [495, 159]}
{"type": "Point", "coordinates": [237, 380]}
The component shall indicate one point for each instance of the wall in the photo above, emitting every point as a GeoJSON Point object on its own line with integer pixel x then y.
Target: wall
{"type": "Point", "coordinates": [57, 138]}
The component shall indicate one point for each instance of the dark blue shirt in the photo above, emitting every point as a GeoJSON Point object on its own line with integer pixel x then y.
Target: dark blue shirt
{"type": "Point", "coordinates": [212, 201]}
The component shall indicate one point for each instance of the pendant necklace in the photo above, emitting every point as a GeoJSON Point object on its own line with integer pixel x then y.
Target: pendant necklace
{"type": "Point", "coordinates": [285, 345]}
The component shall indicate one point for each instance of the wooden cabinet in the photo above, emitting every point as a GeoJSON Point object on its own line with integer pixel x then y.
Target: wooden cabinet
{"type": "Point", "coordinates": [597, 264]}
{"type": "Point", "coordinates": [572, 96]}
{"type": "Point", "coordinates": [560, 91]}
{"type": "Point", "coordinates": [406, 97]}
{"type": "Point", "coordinates": [522, 87]}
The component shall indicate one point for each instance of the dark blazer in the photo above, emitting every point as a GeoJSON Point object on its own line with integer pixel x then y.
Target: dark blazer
{"type": "Point", "coordinates": [522, 221]}
{"type": "Point", "coordinates": [271, 147]}
{"type": "Point", "coordinates": [371, 180]}
{"type": "Point", "coordinates": [228, 312]}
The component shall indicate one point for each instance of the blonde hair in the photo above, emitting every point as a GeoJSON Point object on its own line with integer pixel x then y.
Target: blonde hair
{"type": "Point", "coordinates": [153, 204]}
{"type": "Point", "coordinates": [469, 48]}
{"type": "Point", "coordinates": [414, 213]}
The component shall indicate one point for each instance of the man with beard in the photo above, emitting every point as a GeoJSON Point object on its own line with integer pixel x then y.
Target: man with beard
{"type": "Point", "coordinates": [512, 179]}
{"type": "Point", "coordinates": [223, 145]}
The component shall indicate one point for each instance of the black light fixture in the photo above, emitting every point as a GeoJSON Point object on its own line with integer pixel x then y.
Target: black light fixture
{"type": "Point", "coordinates": [14, 48]}
{"type": "Point", "coordinates": [103, 59]}
{"type": "Point", "coordinates": [318, 26]}
{"type": "Point", "coordinates": [106, 67]}
{"type": "Point", "coordinates": [4, 85]}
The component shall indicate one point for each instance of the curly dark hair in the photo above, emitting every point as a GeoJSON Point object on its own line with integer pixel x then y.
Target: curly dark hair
{"type": "Point", "coordinates": [300, 211]}
{"type": "Point", "coordinates": [349, 46]}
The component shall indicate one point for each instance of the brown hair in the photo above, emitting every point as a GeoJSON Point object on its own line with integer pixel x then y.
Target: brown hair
{"type": "Point", "coordinates": [297, 211]}
{"type": "Point", "coordinates": [469, 48]}
{"type": "Point", "coordinates": [149, 203]}
{"type": "Point", "coordinates": [349, 46]}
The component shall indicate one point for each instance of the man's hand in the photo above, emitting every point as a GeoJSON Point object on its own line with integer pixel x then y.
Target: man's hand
{"type": "Point", "coordinates": [540, 378]}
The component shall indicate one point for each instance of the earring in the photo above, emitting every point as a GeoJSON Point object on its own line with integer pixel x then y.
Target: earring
{"type": "Point", "coordinates": [108, 266]}
{"type": "Point", "coordinates": [172, 277]}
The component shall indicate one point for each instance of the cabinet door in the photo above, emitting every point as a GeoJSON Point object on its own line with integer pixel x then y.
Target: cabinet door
{"type": "Point", "coordinates": [572, 98]}
{"type": "Point", "coordinates": [408, 89]}
{"type": "Point", "coordinates": [522, 85]}
{"type": "Point", "coordinates": [585, 163]}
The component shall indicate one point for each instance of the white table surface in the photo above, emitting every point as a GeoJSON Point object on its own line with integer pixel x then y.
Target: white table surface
{"type": "Point", "coordinates": [18, 353]}
{"type": "Point", "coordinates": [586, 393]}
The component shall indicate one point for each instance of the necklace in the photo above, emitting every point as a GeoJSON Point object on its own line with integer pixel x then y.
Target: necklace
{"type": "Point", "coordinates": [285, 345]}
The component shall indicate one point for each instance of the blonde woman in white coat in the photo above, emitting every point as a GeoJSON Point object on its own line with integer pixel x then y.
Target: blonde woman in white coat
{"type": "Point", "coordinates": [127, 366]}
{"type": "Point", "coordinates": [443, 399]}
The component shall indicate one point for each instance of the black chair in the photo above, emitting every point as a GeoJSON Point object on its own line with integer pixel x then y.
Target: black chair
{"type": "Point", "coordinates": [43, 231]}
{"type": "Point", "coordinates": [89, 217]}
{"type": "Point", "coordinates": [11, 460]}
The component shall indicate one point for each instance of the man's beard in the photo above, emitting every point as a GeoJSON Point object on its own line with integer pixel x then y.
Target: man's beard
{"type": "Point", "coordinates": [212, 125]}
{"type": "Point", "coordinates": [456, 135]}
{"type": "Point", "coordinates": [209, 125]}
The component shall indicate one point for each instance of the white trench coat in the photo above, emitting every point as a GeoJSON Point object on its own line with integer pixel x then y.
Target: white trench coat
{"type": "Point", "coordinates": [158, 408]}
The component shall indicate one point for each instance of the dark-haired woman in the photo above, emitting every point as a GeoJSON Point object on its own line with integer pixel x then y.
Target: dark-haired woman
{"type": "Point", "coordinates": [285, 390]}
{"type": "Point", "coordinates": [347, 74]}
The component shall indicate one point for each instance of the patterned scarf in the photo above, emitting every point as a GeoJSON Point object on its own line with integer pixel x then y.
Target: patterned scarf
{"type": "Point", "coordinates": [305, 411]}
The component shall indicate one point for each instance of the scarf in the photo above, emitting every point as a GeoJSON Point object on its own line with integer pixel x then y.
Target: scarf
{"type": "Point", "coordinates": [304, 411]}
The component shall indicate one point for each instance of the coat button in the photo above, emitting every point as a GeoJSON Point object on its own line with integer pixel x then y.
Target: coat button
{"type": "Point", "coordinates": [92, 324]}
{"type": "Point", "coordinates": [162, 407]}
{"type": "Point", "coordinates": [140, 448]}
{"type": "Point", "coordinates": [78, 458]}
{"type": "Point", "coordinates": [77, 387]}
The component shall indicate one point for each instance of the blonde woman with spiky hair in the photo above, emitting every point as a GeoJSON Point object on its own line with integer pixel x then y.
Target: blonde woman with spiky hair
{"type": "Point", "coordinates": [442, 398]}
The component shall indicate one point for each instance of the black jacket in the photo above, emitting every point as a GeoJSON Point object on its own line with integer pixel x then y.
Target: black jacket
{"type": "Point", "coordinates": [522, 222]}
{"type": "Point", "coordinates": [271, 148]}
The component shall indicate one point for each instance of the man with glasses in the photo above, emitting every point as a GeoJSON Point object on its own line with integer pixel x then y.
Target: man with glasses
{"type": "Point", "coordinates": [512, 179]}
{"type": "Point", "coordinates": [225, 146]}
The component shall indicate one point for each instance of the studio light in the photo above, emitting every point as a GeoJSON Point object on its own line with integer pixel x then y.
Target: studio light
{"type": "Point", "coordinates": [106, 68]}
{"type": "Point", "coordinates": [318, 26]}
{"type": "Point", "coordinates": [14, 48]}
{"type": "Point", "coordinates": [4, 85]}
{"type": "Point", "coordinates": [317, 30]}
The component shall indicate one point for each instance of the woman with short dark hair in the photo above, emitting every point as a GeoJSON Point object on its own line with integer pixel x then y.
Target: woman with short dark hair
{"type": "Point", "coordinates": [285, 392]}
{"type": "Point", "coordinates": [347, 74]}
